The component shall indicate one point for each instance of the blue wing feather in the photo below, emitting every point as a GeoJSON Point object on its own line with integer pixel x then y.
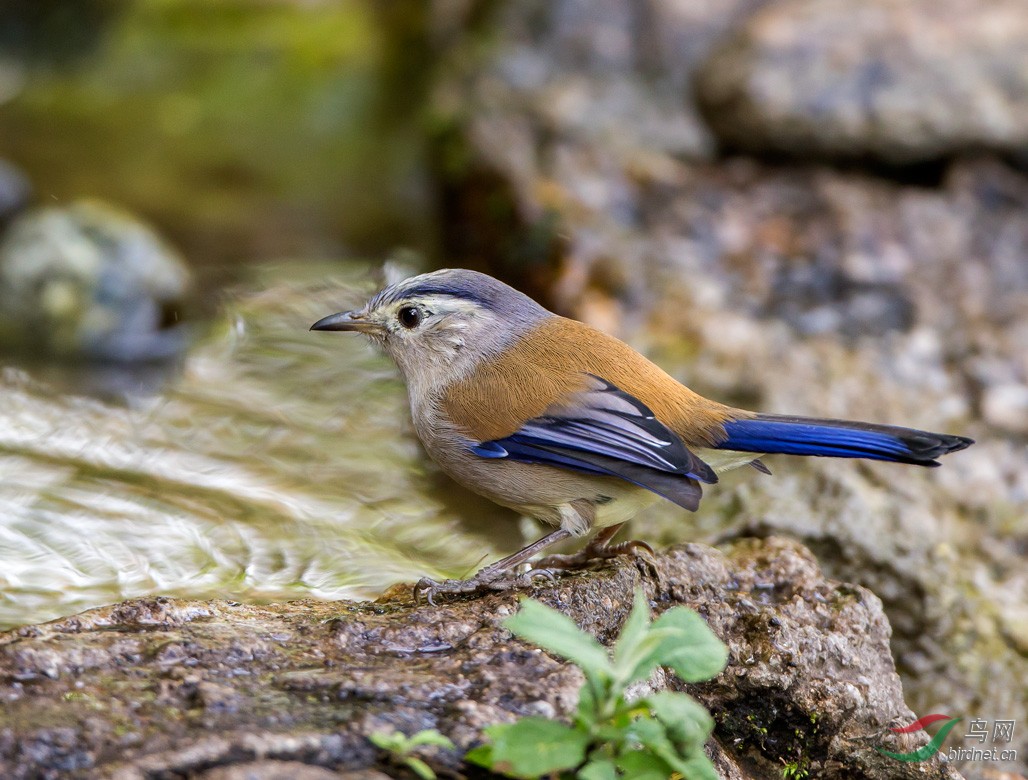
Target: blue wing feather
{"type": "Point", "coordinates": [682, 490]}
{"type": "Point", "coordinates": [606, 431]}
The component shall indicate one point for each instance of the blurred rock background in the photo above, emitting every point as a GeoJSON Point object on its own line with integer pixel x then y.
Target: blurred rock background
{"type": "Point", "coordinates": [813, 207]}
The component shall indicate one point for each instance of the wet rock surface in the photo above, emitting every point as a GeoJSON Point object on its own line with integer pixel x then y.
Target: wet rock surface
{"type": "Point", "coordinates": [895, 80]}
{"type": "Point", "coordinates": [164, 687]}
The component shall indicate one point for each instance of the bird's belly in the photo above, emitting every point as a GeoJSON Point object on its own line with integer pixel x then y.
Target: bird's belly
{"type": "Point", "coordinates": [542, 492]}
{"type": "Point", "coordinates": [627, 505]}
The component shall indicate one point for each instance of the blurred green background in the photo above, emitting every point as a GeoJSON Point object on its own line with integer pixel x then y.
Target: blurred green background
{"type": "Point", "coordinates": [245, 130]}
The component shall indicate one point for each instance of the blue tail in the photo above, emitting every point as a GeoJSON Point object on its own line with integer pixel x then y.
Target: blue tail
{"type": "Point", "coordinates": [769, 433]}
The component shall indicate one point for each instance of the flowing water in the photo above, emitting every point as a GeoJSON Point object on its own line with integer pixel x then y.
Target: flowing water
{"type": "Point", "coordinates": [278, 463]}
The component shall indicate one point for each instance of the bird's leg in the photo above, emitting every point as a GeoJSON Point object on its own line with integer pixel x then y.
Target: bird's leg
{"type": "Point", "coordinates": [599, 548]}
{"type": "Point", "coordinates": [495, 576]}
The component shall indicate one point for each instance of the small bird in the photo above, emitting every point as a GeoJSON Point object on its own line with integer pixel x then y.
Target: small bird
{"type": "Point", "coordinates": [571, 426]}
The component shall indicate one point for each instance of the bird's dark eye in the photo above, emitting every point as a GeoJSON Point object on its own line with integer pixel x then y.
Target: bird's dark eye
{"type": "Point", "coordinates": [410, 317]}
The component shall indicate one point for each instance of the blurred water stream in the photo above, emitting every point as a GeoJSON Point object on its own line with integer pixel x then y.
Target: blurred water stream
{"type": "Point", "coordinates": [280, 464]}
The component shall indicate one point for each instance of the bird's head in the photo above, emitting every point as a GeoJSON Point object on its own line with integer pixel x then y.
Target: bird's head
{"type": "Point", "coordinates": [439, 326]}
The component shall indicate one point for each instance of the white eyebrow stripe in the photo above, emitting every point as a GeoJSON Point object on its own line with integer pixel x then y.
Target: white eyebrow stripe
{"type": "Point", "coordinates": [440, 304]}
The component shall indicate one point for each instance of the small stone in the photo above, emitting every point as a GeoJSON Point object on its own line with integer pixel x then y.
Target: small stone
{"type": "Point", "coordinates": [91, 281]}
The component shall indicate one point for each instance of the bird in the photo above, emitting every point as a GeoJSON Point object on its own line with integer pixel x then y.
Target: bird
{"type": "Point", "coordinates": [569, 425]}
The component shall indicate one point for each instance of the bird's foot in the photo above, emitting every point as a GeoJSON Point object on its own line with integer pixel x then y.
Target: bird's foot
{"type": "Point", "coordinates": [498, 579]}
{"type": "Point", "coordinates": [601, 551]}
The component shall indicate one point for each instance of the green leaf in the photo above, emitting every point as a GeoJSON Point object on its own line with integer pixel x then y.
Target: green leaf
{"type": "Point", "coordinates": [480, 756]}
{"type": "Point", "coordinates": [686, 720]}
{"type": "Point", "coordinates": [641, 664]}
{"type": "Point", "coordinates": [632, 633]}
{"type": "Point", "coordinates": [643, 765]}
{"type": "Point", "coordinates": [667, 642]}
{"type": "Point", "coordinates": [400, 746]}
{"type": "Point", "coordinates": [558, 633]}
{"type": "Point", "coordinates": [430, 737]}
{"type": "Point", "coordinates": [587, 709]}
{"type": "Point", "coordinates": [420, 768]}
{"type": "Point", "coordinates": [652, 738]}
{"type": "Point", "coordinates": [598, 769]}
{"type": "Point", "coordinates": [688, 645]}
{"type": "Point", "coordinates": [608, 734]}
{"type": "Point", "coordinates": [393, 741]}
{"type": "Point", "coordinates": [653, 735]}
{"type": "Point", "coordinates": [536, 746]}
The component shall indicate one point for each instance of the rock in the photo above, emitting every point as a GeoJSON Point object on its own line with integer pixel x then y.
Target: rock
{"type": "Point", "coordinates": [123, 691]}
{"type": "Point", "coordinates": [573, 100]}
{"type": "Point", "coordinates": [91, 281]}
{"type": "Point", "coordinates": [943, 549]}
{"type": "Point", "coordinates": [898, 80]}
{"type": "Point", "coordinates": [285, 770]}
{"type": "Point", "coordinates": [614, 69]}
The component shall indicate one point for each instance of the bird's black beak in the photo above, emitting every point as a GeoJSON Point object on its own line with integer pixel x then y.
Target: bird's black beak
{"type": "Point", "coordinates": [345, 320]}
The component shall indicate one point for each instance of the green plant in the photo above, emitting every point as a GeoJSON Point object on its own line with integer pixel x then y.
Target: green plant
{"type": "Point", "coordinates": [401, 747]}
{"type": "Point", "coordinates": [794, 770]}
{"type": "Point", "coordinates": [654, 737]}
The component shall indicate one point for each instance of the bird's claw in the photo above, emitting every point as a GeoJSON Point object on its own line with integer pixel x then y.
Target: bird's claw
{"type": "Point", "coordinates": [643, 554]}
{"type": "Point", "coordinates": [593, 553]}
